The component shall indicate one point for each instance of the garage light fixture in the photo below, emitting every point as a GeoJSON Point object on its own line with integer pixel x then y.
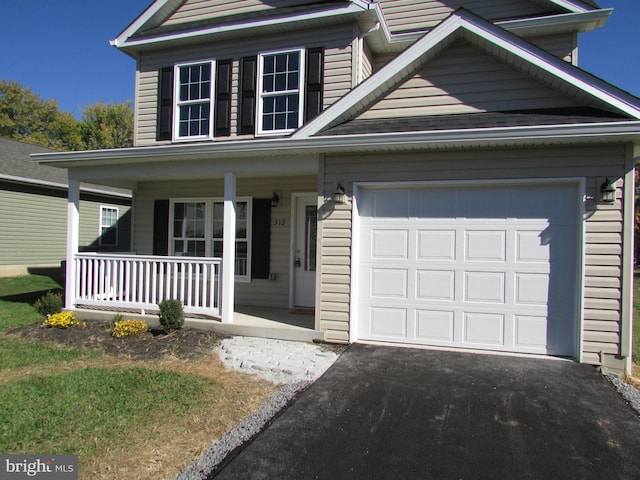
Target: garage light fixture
{"type": "Point", "coordinates": [275, 200]}
{"type": "Point", "coordinates": [339, 196]}
{"type": "Point", "coordinates": [607, 192]}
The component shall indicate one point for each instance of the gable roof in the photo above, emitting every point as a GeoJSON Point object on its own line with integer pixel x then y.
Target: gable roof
{"type": "Point", "coordinates": [489, 37]}
{"type": "Point", "coordinates": [16, 166]}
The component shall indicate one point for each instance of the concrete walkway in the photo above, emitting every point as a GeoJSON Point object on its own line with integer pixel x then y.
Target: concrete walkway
{"type": "Point", "coordinates": [383, 412]}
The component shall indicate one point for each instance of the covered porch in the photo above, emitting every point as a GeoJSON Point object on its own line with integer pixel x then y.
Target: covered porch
{"type": "Point", "coordinates": [217, 286]}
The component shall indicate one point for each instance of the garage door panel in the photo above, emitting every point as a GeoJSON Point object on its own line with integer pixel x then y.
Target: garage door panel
{"type": "Point", "coordinates": [484, 329]}
{"type": "Point", "coordinates": [388, 323]}
{"type": "Point", "coordinates": [485, 287]}
{"type": "Point", "coordinates": [435, 285]}
{"type": "Point", "coordinates": [435, 326]}
{"type": "Point", "coordinates": [485, 246]}
{"type": "Point", "coordinates": [436, 244]}
{"type": "Point", "coordinates": [389, 283]}
{"type": "Point", "coordinates": [488, 270]}
{"type": "Point", "coordinates": [389, 243]}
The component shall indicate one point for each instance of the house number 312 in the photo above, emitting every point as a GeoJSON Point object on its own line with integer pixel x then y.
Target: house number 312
{"type": "Point", "coordinates": [279, 222]}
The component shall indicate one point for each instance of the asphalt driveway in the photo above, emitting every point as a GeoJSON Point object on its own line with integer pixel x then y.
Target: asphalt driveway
{"type": "Point", "coordinates": [399, 413]}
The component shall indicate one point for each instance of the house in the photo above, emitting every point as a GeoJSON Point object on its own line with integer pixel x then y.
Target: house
{"type": "Point", "coordinates": [435, 172]}
{"type": "Point", "coordinates": [33, 217]}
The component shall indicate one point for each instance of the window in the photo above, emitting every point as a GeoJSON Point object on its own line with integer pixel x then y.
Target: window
{"type": "Point", "coordinates": [198, 231]}
{"type": "Point", "coordinates": [108, 226]}
{"type": "Point", "coordinates": [193, 113]}
{"type": "Point", "coordinates": [280, 80]}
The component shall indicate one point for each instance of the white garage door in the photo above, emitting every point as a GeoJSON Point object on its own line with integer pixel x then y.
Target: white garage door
{"type": "Point", "coordinates": [466, 266]}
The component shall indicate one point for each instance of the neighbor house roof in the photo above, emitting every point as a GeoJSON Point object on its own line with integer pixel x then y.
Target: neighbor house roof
{"type": "Point", "coordinates": [16, 166]}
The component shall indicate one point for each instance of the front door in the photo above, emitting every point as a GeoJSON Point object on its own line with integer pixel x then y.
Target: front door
{"type": "Point", "coordinates": [304, 251]}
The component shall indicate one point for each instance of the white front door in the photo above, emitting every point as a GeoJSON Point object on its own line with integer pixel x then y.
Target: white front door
{"type": "Point", "coordinates": [304, 251]}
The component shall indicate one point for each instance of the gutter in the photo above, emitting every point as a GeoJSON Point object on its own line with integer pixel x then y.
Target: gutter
{"type": "Point", "coordinates": [520, 135]}
{"type": "Point", "coordinates": [62, 186]}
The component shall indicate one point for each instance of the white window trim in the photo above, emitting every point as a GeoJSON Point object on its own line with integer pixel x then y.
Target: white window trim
{"type": "Point", "coordinates": [208, 227]}
{"type": "Point", "coordinates": [101, 226]}
{"type": "Point", "coordinates": [261, 95]}
{"type": "Point", "coordinates": [177, 103]}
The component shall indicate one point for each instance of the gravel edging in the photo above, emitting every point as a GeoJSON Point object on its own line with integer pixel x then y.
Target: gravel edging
{"type": "Point", "coordinates": [222, 450]}
{"type": "Point", "coordinates": [629, 393]}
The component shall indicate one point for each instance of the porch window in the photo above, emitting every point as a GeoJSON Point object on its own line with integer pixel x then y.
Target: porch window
{"type": "Point", "coordinates": [280, 80]}
{"type": "Point", "coordinates": [198, 231]}
{"type": "Point", "coordinates": [108, 227]}
{"type": "Point", "coordinates": [193, 94]}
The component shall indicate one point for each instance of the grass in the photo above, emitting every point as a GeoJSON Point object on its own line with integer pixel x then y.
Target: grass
{"type": "Point", "coordinates": [125, 419]}
{"type": "Point", "coordinates": [636, 321]}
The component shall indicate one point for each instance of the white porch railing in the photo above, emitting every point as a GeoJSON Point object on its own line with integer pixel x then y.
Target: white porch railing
{"type": "Point", "coordinates": [141, 282]}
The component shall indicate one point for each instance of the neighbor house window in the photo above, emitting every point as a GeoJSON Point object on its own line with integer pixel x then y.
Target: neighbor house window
{"type": "Point", "coordinates": [108, 226]}
{"type": "Point", "coordinates": [193, 95]}
{"type": "Point", "coordinates": [198, 231]}
{"type": "Point", "coordinates": [280, 80]}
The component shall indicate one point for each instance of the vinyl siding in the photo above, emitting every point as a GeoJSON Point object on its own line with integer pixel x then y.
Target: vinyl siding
{"type": "Point", "coordinates": [465, 80]}
{"type": "Point", "coordinates": [33, 223]}
{"type": "Point", "coordinates": [336, 40]}
{"type": "Point", "coordinates": [603, 223]}
{"type": "Point", "coordinates": [257, 292]}
{"type": "Point", "coordinates": [411, 15]}
{"type": "Point", "coordinates": [199, 10]}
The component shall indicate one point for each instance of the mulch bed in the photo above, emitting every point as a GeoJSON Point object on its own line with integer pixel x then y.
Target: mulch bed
{"type": "Point", "coordinates": [185, 343]}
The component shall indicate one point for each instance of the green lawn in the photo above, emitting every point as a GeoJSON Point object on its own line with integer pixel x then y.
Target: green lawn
{"type": "Point", "coordinates": [115, 413]}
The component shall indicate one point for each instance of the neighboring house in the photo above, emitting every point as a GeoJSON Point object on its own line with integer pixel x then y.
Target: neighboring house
{"type": "Point", "coordinates": [435, 172]}
{"type": "Point", "coordinates": [33, 213]}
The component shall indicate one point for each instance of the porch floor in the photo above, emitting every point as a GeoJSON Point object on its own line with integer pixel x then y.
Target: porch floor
{"type": "Point", "coordinates": [250, 321]}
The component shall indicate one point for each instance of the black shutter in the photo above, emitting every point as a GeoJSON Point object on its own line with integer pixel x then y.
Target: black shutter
{"type": "Point", "coordinates": [223, 99]}
{"type": "Point", "coordinates": [165, 103]}
{"type": "Point", "coordinates": [247, 96]}
{"type": "Point", "coordinates": [261, 238]}
{"type": "Point", "coordinates": [314, 84]}
{"type": "Point", "coordinates": [161, 227]}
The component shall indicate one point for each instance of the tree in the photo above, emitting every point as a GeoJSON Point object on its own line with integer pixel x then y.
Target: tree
{"type": "Point", "coordinates": [24, 116]}
{"type": "Point", "coordinates": [107, 125]}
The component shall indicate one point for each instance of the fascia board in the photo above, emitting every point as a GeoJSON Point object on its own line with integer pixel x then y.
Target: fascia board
{"type": "Point", "coordinates": [628, 131]}
{"type": "Point", "coordinates": [147, 15]}
{"type": "Point", "coordinates": [572, 5]}
{"type": "Point", "coordinates": [234, 27]}
{"type": "Point", "coordinates": [465, 21]}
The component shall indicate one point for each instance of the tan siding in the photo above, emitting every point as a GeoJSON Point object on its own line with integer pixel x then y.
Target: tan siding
{"type": "Point", "coordinates": [603, 223]}
{"type": "Point", "coordinates": [257, 292]}
{"type": "Point", "coordinates": [405, 15]}
{"type": "Point", "coordinates": [336, 40]}
{"type": "Point", "coordinates": [465, 80]}
{"type": "Point", "coordinates": [199, 10]}
{"type": "Point", "coordinates": [561, 45]}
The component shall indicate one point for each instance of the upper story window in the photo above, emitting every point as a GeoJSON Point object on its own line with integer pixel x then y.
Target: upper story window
{"type": "Point", "coordinates": [280, 80]}
{"type": "Point", "coordinates": [193, 113]}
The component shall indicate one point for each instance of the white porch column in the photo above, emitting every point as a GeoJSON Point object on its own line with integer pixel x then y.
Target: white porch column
{"type": "Point", "coordinates": [73, 232]}
{"type": "Point", "coordinates": [229, 247]}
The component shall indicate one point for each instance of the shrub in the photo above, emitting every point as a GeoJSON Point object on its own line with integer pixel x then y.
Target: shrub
{"type": "Point", "coordinates": [64, 320]}
{"type": "Point", "coordinates": [49, 304]}
{"type": "Point", "coordinates": [171, 315]}
{"type": "Point", "coordinates": [126, 328]}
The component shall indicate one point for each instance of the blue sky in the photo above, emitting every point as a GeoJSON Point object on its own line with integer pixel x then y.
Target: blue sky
{"type": "Point", "coordinates": [60, 48]}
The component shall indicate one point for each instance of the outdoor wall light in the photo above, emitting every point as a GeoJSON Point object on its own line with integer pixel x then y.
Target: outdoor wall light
{"type": "Point", "coordinates": [607, 192]}
{"type": "Point", "coordinates": [339, 196]}
{"type": "Point", "coordinates": [275, 200]}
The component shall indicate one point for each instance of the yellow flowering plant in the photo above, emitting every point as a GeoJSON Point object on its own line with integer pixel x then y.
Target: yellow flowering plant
{"type": "Point", "coordinates": [126, 328]}
{"type": "Point", "coordinates": [64, 320]}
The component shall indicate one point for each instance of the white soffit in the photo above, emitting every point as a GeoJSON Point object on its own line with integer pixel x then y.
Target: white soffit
{"type": "Point", "coordinates": [463, 22]}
